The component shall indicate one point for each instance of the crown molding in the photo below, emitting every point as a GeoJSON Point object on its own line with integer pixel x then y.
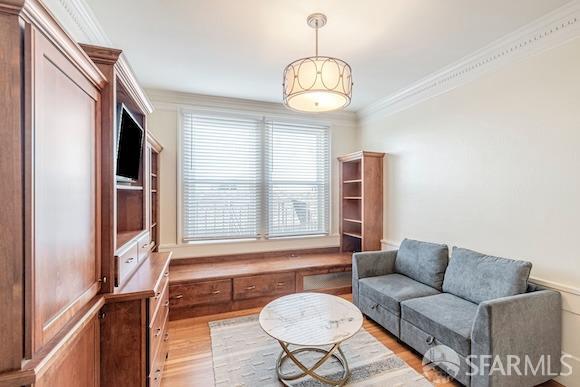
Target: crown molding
{"type": "Point", "coordinates": [176, 101]}
{"type": "Point", "coordinates": [126, 74]}
{"type": "Point", "coordinates": [78, 18]}
{"type": "Point", "coordinates": [550, 30]}
{"type": "Point", "coordinates": [38, 14]}
{"type": "Point", "coordinates": [84, 20]}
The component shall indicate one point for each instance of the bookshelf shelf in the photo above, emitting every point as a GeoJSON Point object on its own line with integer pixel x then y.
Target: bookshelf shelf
{"type": "Point", "coordinates": [130, 187]}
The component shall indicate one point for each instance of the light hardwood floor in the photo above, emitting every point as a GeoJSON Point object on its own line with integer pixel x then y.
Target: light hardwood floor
{"type": "Point", "coordinates": [190, 362]}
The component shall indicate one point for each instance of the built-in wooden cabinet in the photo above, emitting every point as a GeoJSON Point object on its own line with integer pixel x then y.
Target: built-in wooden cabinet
{"type": "Point", "coordinates": [63, 189]}
{"type": "Point", "coordinates": [50, 271]}
{"type": "Point", "coordinates": [77, 275]}
{"type": "Point", "coordinates": [361, 201]}
{"type": "Point", "coordinates": [208, 285]}
{"type": "Point", "coordinates": [125, 204]}
{"type": "Point", "coordinates": [134, 318]}
{"type": "Point", "coordinates": [134, 326]}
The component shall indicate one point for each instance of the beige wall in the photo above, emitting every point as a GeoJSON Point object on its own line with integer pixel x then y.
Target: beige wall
{"type": "Point", "coordinates": [164, 125]}
{"type": "Point", "coordinates": [494, 166]}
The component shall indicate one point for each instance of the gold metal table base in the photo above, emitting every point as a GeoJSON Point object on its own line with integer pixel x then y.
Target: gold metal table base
{"type": "Point", "coordinates": [290, 354]}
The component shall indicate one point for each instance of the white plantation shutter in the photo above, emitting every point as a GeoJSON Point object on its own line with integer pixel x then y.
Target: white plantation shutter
{"type": "Point", "coordinates": [297, 178]}
{"type": "Point", "coordinates": [221, 177]}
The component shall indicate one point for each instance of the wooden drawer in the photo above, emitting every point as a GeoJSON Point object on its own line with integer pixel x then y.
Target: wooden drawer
{"type": "Point", "coordinates": [161, 299]}
{"type": "Point", "coordinates": [199, 293]}
{"type": "Point", "coordinates": [263, 285]}
{"type": "Point", "coordinates": [158, 361]}
{"type": "Point", "coordinates": [157, 331]}
{"type": "Point", "coordinates": [144, 246]}
{"type": "Point", "coordinates": [127, 262]}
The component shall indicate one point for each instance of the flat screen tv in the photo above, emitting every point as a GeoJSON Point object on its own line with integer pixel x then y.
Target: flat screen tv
{"type": "Point", "coordinates": [129, 146]}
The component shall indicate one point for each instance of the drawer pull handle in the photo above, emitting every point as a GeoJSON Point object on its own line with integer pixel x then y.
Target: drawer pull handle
{"type": "Point", "coordinates": [251, 287]}
{"type": "Point", "coordinates": [166, 274]}
{"type": "Point", "coordinates": [179, 296]}
{"type": "Point", "coordinates": [166, 304]}
{"type": "Point", "coordinates": [130, 260]}
{"type": "Point", "coordinates": [157, 332]}
{"type": "Point", "coordinates": [429, 340]}
{"type": "Point", "coordinates": [216, 292]}
{"type": "Point", "coordinates": [157, 295]}
{"type": "Point", "coordinates": [281, 284]}
{"type": "Point", "coordinates": [166, 337]}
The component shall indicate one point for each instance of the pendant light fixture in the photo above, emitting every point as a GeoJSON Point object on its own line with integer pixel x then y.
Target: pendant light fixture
{"type": "Point", "coordinates": [317, 83]}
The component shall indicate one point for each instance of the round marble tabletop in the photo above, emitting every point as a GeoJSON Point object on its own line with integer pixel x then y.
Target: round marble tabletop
{"type": "Point", "coordinates": [311, 319]}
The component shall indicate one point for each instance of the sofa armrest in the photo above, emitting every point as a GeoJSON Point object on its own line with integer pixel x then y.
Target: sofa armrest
{"type": "Point", "coordinates": [371, 264]}
{"type": "Point", "coordinates": [517, 327]}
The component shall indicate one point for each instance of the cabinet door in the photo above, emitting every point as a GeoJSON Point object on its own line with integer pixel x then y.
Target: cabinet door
{"type": "Point", "coordinates": [63, 190]}
{"type": "Point", "coordinates": [78, 365]}
{"type": "Point", "coordinates": [124, 344]}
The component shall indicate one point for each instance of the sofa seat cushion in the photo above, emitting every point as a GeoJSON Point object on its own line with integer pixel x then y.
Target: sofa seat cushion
{"type": "Point", "coordinates": [478, 277]}
{"type": "Point", "coordinates": [423, 261]}
{"type": "Point", "coordinates": [381, 315]}
{"type": "Point", "coordinates": [448, 318]}
{"type": "Point", "coordinates": [389, 290]}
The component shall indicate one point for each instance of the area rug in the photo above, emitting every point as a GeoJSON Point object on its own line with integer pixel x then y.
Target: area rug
{"type": "Point", "coordinates": [245, 356]}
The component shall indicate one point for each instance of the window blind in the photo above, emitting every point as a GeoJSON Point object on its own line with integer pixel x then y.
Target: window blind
{"type": "Point", "coordinates": [297, 178]}
{"type": "Point", "coordinates": [221, 177]}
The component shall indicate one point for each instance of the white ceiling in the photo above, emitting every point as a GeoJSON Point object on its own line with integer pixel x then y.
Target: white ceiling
{"type": "Point", "coordinates": [238, 48]}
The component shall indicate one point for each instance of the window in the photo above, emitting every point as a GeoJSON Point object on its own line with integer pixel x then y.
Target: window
{"type": "Point", "coordinates": [297, 183]}
{"type": "Point", "coordinates": [253, 178]}
{"type": "Point", "coordinates": [220, 177]}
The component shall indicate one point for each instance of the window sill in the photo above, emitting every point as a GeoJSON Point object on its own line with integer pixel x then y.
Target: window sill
{"type": "Point", "coordinates": [258, 240]}
{"type": "Point", "coordinates": [239, 246]}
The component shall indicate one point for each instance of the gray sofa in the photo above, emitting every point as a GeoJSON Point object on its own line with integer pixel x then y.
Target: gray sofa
{"type": "Point", "coordinates": [480, 306]}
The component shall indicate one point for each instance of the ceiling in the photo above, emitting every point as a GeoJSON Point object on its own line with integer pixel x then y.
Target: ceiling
{"type": "Point", "coordinates": [239, 48]}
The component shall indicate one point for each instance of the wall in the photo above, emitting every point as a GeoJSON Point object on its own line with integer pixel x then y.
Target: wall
{"type": "Point", "coordinates": [494, 166]}
{"type": "Point", "coordinates": [164, 124]}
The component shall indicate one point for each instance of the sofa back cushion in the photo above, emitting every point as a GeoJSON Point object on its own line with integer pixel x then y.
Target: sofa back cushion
{"type": "Point", "coordinates": [478, 277]}
{"type": "Point", "coordinates": [423, 261]}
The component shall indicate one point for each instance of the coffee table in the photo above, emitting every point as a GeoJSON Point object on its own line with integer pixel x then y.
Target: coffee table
{"type": "Point", "coordinates": [312, 322]}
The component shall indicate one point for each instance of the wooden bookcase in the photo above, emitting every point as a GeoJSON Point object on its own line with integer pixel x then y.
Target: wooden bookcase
{"type": "Point", "coordinates": [133, 321]}
{"type": "Point", "coordinates": [153, 150]}
{"type": "Point", "coordinates": [125, 206]}
{"type": "Point", "coordinates": [361, 201]}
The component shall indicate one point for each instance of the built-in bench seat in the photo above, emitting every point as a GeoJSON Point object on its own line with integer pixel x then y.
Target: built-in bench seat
{"type": "Point", "coordinates": [207, 285]}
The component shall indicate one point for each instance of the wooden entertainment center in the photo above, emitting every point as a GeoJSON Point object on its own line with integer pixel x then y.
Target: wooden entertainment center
{"type": "Point", "coordinates": [83, 289]}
